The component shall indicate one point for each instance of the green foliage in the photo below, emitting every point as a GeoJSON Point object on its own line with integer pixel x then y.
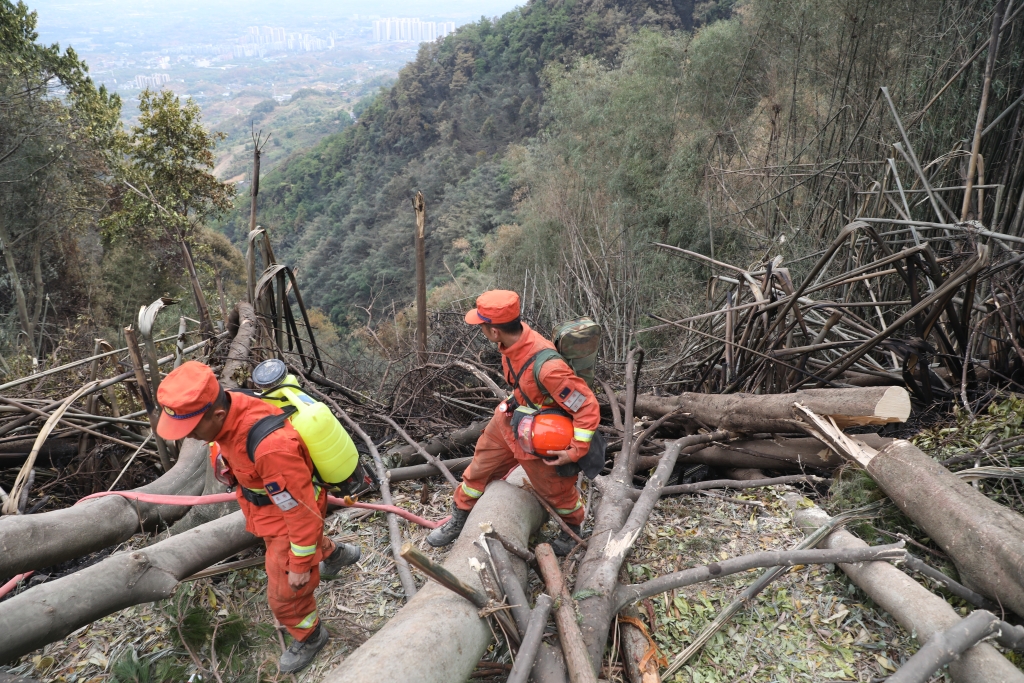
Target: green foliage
{"type": "Point", "coordinates": [341, 211]}
{"type": "Point", "coordinates": [164, 191]}
{"type": "Point", "coordinates": [129, 668]}
{"type": "Point", "coordinates": [55, 132]}
{"type": "Point", "coordinates": [168, 161]}
{"type": "Point", "coordinates": [611, 173]}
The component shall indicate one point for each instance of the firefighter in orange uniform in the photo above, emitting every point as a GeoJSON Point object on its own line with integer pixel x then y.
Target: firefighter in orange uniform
{"type": "Point", "coordinates": [498, 449]}
{"type": "Point", "coordinates": [281, 501]}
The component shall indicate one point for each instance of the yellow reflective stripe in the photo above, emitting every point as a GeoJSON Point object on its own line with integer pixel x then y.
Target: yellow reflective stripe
{"type": "Point", "coordinates": [303, 550]}
{"type": "Point", "coordinates": [472, 493]}
{"type": "Point", "coordinates": [584, 435]}
{"type": "Point", "coordinates": [262, 492]}
{"type": "Point", "coordinates": [564, 511]}
{"type": "Point", "coordinates": [316, 491]}
{"type": "Point", "coordinates": [308, 622]}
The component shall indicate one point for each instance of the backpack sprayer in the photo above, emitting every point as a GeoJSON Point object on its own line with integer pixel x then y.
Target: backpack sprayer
{"type": "Point", "coordinates": [330, 447]}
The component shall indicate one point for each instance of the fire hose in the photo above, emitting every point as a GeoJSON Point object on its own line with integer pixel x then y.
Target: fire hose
{"type": "Point", "coordinates": [158, 499]}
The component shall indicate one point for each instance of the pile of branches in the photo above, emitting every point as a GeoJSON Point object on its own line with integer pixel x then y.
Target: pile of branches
{"type": "Point", "coordinates": [909, 293]}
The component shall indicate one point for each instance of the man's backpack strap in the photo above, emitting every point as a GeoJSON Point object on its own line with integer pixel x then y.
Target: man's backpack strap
{"type": "Point", "coordinates": [541, 357]}
{"type": "Point", "coordinates": [263, 428]}
{"type": "Point", "coordinates": [537, 360]}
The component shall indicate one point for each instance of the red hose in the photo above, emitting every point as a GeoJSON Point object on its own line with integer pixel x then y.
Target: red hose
{"type": "Point", "coordinates": [228, 497]}
{"type": "Point", "coordinates": [10, 585]}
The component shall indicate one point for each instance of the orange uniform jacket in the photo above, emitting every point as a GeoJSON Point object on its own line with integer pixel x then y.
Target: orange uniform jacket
{"type": "Point", "coordinates": [566, 389]}
{"type": "Point", "coordinates": [282, 470]}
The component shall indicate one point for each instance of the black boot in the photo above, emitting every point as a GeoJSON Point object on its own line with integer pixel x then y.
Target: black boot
{"type": "Point", "coordinates": [300, 653]}
{"type": "Point", "coordinates": [450, 530]}
{"type": "Point", "coordinates": [344, 554]}
{"type": "Point", "coordinates": [564, 543]}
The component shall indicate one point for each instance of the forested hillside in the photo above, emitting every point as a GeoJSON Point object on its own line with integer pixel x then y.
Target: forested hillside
{"type": "Point", "coordinates": [341, 213]}
{"type": "Point", "coordinates": [556, 143]}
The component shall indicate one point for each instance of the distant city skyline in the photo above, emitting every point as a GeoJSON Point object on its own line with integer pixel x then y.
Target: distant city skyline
{"type": "Point", "coordinates": [410, 29]}
{"type": "Point", "coordinates": [128, 24]}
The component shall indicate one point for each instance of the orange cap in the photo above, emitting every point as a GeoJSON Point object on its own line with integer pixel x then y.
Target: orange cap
{"type": "Point", "coordinates": [184, 395]}
{"type": "Point", "coordinates": [495, 307]}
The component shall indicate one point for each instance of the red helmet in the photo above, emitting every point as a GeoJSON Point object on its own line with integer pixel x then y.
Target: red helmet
{"type": "Point", "coordinates": [543, 432]}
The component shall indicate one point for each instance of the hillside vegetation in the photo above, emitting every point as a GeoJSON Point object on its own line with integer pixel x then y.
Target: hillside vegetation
{"type": "Point", "coordinates": [554, 144]}
{"type": "Point", "coordinates": [341, 212]}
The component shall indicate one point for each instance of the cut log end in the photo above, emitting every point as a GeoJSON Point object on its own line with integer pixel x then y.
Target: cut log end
{"type": "Point", "coordinates": [892, 406]}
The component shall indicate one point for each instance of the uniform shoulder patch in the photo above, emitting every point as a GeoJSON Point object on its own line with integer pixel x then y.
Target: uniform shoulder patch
{"type": "Point", "coordinates": [574, 401]}
{"type": "Point", "coordinates": [283, 501]}
{"type": "Point", "coordinates": [564, 393]}
{"type": "Point", "coordinates": [272, 487]}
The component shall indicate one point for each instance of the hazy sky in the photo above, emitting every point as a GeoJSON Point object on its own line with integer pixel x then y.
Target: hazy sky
{"type": "Point", "coordinates": [62, 20]}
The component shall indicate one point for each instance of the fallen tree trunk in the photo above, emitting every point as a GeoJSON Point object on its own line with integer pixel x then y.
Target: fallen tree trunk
{"type": "Point", "coordinates": [33, 541]}
{"type": "Point", "coordinates": [397, 474]}
{"type": "Point", "coordinates": [795, 454]}
{"type": "Point", "coordinates": [917, 610]}
{"type": "Point", "coordinates": [236, 367]}
{"type": "Point", "coordinates": [52, 610]}
{"type": "Point", "coordinates": [30, 542]}
{"type": "Point", "coordinates": [780, 453]}
{"type": "Point", "coordinates": [460, 438]}
{"type": "Point", "coordinates": [945, 646]}
{"type": "Point", "coordinates": [438, 636]}
{"type": "Point", "coordinates": [984, 539]}
{"type": "Point", "coordinates": [773, 413]}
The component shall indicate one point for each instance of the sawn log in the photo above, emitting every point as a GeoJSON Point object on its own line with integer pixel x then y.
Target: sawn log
{"type": "Point", "coordinates": [438, 637]}
{"type": "Point", "coordinates": [52, 610]}
{"type": "Point", "coordinates": [917, 609]}
{"type": "Point", "coordinates": [773, 413]}
{"type": "Point", "coordinates": [30, 542]}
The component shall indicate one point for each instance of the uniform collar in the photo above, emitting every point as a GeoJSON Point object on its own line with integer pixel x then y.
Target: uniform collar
{"type": "Point", "coordinates": [520, 343]}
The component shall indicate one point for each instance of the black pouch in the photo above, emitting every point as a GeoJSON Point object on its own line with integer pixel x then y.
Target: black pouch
{"type": "Point", "coordinates": [363, 480]}
{"type": "Point", "coordinates": [590, 464]}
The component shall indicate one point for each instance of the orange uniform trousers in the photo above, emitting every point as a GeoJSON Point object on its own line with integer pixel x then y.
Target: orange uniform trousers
{"type": "Point", "coordinates": [495, 456]}
{"type": "Point", "coordinates": [295, 609]}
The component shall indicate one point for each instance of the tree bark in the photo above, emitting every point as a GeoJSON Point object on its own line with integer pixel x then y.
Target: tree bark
{"type": "Point", "coordinates": [575, 650]}
{"type": "Point", "coordinates": [30, 542]}
{"type": "Point", "coordinates": [548, 664]}
{"type": "Point", "coordinates": [918, 610]}
{"type": "Point", "coordinates": [945, 646]}
{"type": "Point", "coordinates": [438, 637]}
{"type": "Point", "coordinates": [235, 372]}
{"type": "Point", "coordinates": [397, 474]}
{"type": "Point", "coordinates": [532, 635]}
{"type": "Point", "coordinates": [772, 413]}
{"type": "Point", "coordinates": [54, 609]}
{"type": "Point", "coordinates": [780, 453]}
{"type": "Point", "coordinates": [634, 646]}
{"type": "Point", "coordinates": [440, 444]}
{"type": "Point", "coordinates": [39, 294]}
{"type": "Point", "coordinates": [984, 539]}
{"type": "Point", "coordinates": [421, 277]}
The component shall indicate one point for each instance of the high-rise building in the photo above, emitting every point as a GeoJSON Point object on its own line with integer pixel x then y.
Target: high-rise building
{"type": "Point", "coordinates": [410, 29]}
{"type": "Point", "coordinates": [154, 81]}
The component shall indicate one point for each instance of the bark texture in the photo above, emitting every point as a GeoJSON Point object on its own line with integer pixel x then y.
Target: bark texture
{"type": "Point", "coordinates": [52, 610]}
{"type": "Point", "coordinates": [773, 413]}
{"type": "Point", "coordinates": [438, 636]}
{"type": "Point", "coordinates": [917, 609]}
{"type": "Point", "coordinates": [29, 542]}
{"type": "Point", "coordinates": [460, 438]}
{"type": "Point", "coordinates": [236, 367]}
{"type": "Point", "coordinates": [984, 539]}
